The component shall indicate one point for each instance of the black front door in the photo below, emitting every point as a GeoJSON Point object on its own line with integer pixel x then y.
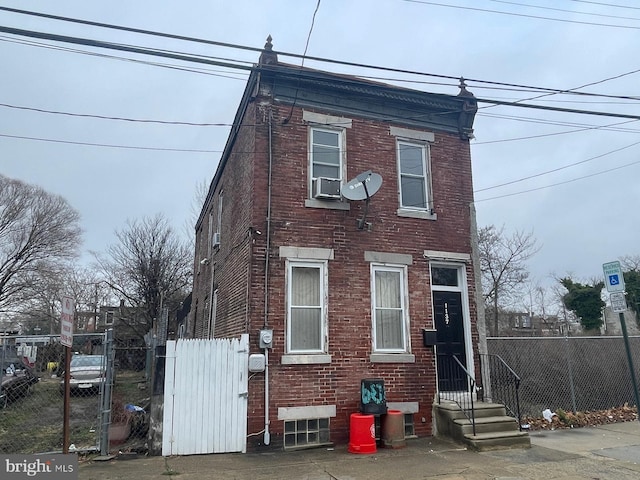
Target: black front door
{"type": "Point", "coordinates": [450, 341]}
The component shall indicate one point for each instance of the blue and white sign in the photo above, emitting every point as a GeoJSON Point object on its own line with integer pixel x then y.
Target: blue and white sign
{"type": "Point", "coordinates": [613, 279]}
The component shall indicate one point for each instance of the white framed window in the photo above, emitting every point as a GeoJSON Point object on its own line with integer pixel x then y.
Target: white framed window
{"type": "Point", "coordinates": [220, 203]}
{"type": "Point", "coordinates": [211, 232]}
{"type": "Point", "coordinates": [326, 153]}
{"type": "Point", "coordinates": [306, 306]}
{"type": "Point", "coordinates": [414, 176]}
{"type": "Point", "coordinates": [389, 308]}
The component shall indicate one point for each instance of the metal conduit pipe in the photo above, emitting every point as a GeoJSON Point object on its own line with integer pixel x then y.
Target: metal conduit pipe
{"type": "Point", "coordinates": [267, 434]}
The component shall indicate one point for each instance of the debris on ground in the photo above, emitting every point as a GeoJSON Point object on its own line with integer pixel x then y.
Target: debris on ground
{"type": "Point", "coordinates": [563, 419]}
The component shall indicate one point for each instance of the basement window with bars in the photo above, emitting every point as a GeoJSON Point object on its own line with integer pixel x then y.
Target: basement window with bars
{"type": "Point", "coordinates": [306, 432]}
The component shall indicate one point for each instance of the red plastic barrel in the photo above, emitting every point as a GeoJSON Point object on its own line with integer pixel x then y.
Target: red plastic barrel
{"type": "Point", "coordinates": [393, 429]}
{"type": "Point", "coordinates": [362, 434]}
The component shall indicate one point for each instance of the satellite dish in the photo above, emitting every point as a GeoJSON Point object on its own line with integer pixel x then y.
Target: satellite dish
{"type": "Point", "coordinates": [362, 187]}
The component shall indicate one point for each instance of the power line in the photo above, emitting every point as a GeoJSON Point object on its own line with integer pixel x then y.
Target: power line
{"type": "Point", "coordinates": [107, 145]}
{"type": "Point", "coordinates": [606, 4]}
{"type": "Point", "coordinates": [145, 51]}
{"type": "Point", "coordinates": [558, 109]}
{"type": "Point", "coordinates": [114, 46]}
{"type": "Point", "coordinates": [609, 127]}
{"type": "Point", "coordinates": [557, 169]}
{"type": "Point", "coordinates": [202, 71]}
{"type": "Point", "coordinates": [563, 10]}
{"type": "Point", "coordinates": [522, 15]}
{"type": "Point", "coordinates": [306, 46]}
{"type": "Point", "coordinates": [543, 135]}
{"type": "Point", "coordinates": [186, 57]}
{"type": "Point", "coordinates": [560, 183]}
{"type": "Point", "coordinates": [127, 29]}
{"type": "Point", "coordinates": [286, 54]}
{"type": "Point", "coordinates": [575, 89]}
{"type": "Point", "coordinates": [124, 119]}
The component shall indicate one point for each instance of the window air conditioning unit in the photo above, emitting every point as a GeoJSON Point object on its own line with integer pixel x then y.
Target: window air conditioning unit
{"type": "Point", "coordinates": [215, 241]}
{"type": "Point", "coordinates": [324, 187]}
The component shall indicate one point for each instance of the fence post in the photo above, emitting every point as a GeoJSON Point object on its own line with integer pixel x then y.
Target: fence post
{"type": "Point", "coordinates": [106, 393]}
{"type": "Point", "coordinates": [570, 369]}
{"type": "Point", "coordinates": [632, 370]}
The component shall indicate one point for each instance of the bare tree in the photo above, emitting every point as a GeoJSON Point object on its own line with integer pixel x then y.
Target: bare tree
{"type": "Point", "coordinates": [38, 232]}
{"type": "Point", "coordinates": [149, 268]}
{"type": "Point", "coordinates": [42, 308]}
{"type": "Point", "coordinates": [630, 263]}
{"type": "Point", "coordinates": [503, 266]}
{"type": "Point", "coordinates": [199, 197]}
{"type": "Point", "coordinates": [41, 312]}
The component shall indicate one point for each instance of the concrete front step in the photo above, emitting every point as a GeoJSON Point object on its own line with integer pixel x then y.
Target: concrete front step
{"type": "Point", "coordinates": [494, 429]}
{"type": "Point", "coordinates": [497, 440]}
{"type": "Point", "coordinates": [502, 423]}
{"type": "Point", "coordinates": [482, 409]}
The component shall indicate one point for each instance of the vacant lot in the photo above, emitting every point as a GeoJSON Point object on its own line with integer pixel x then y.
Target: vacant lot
{"type": "Point", "coordinates": [34, 424]}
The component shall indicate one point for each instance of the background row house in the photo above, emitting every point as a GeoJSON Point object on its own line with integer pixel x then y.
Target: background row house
{"type": "Point", "coordinates": [334, 290]}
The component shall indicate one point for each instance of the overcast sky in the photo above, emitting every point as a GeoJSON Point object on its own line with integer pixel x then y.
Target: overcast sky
{"type": "Point", "coordinates": [583, 215]}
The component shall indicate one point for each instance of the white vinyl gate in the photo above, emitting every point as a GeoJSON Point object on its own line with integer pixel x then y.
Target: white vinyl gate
{"type": "Point", "coordinates": [205, 396]}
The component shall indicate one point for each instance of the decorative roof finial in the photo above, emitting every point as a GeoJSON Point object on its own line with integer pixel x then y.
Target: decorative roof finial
{"type": "Point", "coordinates": [463, 89]}
{"type": "Point", "coordinates": [268, 56]}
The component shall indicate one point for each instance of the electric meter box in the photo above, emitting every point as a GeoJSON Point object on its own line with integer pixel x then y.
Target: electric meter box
{"type": "Point", "coordinates": [266, 338]}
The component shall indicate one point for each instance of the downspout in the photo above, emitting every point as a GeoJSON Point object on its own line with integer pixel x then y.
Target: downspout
{"type": "Point", "coordinates": [481, 321]}
{"type": "Point", "coordinates": [211, 325]}
{"type": "Point", "coordinates": [249, 279]}
{"type": "Point", "coordinates": [267, 434]}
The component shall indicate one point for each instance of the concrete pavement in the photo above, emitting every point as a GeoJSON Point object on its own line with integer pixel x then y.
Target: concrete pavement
{"type": "Point", "coordinates": [603, 452]}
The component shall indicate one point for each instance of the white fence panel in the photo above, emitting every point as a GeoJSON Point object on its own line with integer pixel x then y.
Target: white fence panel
{"type": "Point", "coordinates": [205, 406]}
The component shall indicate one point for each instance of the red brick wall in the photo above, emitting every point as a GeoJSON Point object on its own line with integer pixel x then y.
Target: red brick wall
{"type": "Point", "coordinates": [229, 264]}
{"type": "Point", "coordinates": [369, 146]}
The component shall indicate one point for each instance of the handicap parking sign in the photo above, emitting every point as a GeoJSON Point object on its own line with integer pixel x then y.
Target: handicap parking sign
{"type": "Point", "coordinates": [613, 279]}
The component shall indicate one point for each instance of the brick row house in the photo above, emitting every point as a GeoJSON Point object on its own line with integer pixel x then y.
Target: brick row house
{"type": "Point", "coordinates": [344, 289]}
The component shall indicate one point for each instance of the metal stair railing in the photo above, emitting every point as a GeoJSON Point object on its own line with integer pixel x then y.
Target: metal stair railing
{"type": "Point", "coordinates": [460, 384]}
{"type": "Point", "coordinates": [500, 384]}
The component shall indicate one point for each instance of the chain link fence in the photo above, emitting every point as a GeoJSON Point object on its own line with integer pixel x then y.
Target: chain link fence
{"type": "Point", "coordinates": [131, 397]}
{"type": "Point", "coordinates": [32, 395]}
{"type": "Point", "coordinates": [570, 373]}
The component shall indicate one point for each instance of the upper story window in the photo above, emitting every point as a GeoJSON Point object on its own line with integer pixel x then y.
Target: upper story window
{"type": "Point", "coordinates": [326, 153]}
{"type": "Point", "coordinates": [414, 172]}
{"type": "Point", "coordinates": [306, 316]}
{"type": "Point", "coordinates": [326, 162]}
{"type": "Point", "coordinates": [327, 165]}
{"type": "Point", "coordinates": [390, 316]}
{"type": "Point", "coordinates": [413, 169]}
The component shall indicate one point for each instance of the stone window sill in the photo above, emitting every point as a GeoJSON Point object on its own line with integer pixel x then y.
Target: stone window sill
{"type": "Point", "coordinates": [302, 359]}
{"type": "Point", "coordinates": [328, 204]}
{"type": "Point", "coordinates": [392, 358]}
{"type": "Point", "coordinates": [426, 215]}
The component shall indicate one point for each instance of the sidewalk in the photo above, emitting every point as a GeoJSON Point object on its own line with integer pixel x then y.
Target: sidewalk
{"type": "Point", "coordinates": [604, 452]}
